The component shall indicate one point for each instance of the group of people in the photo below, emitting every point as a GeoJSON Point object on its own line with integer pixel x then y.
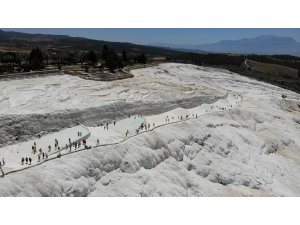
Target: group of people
{"type": "Point", "coordinates": [105, 126]}
{"type": "Point", "coordinates": [26, 160]}
{"type": "Point", "coordinates": [41, 155]}
{"type": "Point", "coordinates": [44, 156]}
{"type": "Point", "coordinates": [75, 144]}
{"type": "Point", "coordinates": [145, 126]}
{"type": "Point", "coordinates": [78, 144]}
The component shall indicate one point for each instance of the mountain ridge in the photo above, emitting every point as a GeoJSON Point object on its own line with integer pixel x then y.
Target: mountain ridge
{"type": "Point", "coordinates": [264, 44]}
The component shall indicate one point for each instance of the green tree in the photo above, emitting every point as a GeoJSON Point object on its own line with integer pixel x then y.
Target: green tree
{"type": "Point", "coordinates": [105, 52]}
{"type": "Point", "coordinates": [36, 58]}
{"type": "Point", "coordinates": [141, 58]}
{"type": "Point", "coordinates": [124, 56]}
{"type": "Point", "coordinates": [92, 57]}
{"type": "Point", "coordinates": [111, 62]}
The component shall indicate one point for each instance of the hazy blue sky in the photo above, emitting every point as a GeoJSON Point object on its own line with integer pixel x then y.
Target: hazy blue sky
{"type": "Point", "coordinates": [163, 35]}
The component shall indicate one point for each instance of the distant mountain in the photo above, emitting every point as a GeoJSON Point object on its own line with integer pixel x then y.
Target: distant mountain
{"type": "Point", "coordinates": [179, 47]}
{"type": "Point", "coordinates": [64, 42]}
{"type": "Point", "coordinates": [264, 45]}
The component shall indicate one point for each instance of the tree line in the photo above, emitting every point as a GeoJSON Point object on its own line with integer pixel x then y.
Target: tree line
{"type": "Point", "coordinates": [37, 59]}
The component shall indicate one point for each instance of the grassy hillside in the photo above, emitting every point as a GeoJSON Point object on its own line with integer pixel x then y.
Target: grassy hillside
{"type": "Point", "coordinates": [271, 69]}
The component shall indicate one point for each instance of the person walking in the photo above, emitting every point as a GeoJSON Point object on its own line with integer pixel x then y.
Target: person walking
{"type": "Point", "coordinates": [29, 161]}
{"type": "Point", "coordinates": [49, 148]}
{"type": "Point", "coordinates": [22, 161]}
{"type": "Point", "coordinates": [56, 143]}
{"type": "Point", "coordinates": [1, 170]}
{"type": "Point", "coordinates": [26, 160]}
{"type": "Point", "coordinates": [3, 162]}
{"type": "Point", "coordinates": [98, 142]}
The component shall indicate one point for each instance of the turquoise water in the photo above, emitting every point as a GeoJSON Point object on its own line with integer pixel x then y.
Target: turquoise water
{"type": "Point", "coordinates": [135, 123]}
{"type": "Point", "coordinates": [130, 124]}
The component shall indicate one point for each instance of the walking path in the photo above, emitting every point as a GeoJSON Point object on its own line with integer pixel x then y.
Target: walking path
{"type": "Point", "coordinates": [14, 153]}
{"type": "Point", "coordinates": [115, 133]}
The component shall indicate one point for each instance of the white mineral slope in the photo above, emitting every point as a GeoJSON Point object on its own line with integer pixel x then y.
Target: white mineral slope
{"type": "Point", "coordinates": [250, 150]}
{"type": "Point", "coordinates": [14, 153]}
{"type": "Point", "coordinates": [65, 92]}
{"type": "Point", "coordinates": [116, 132]}
{"type": "Point", "coordinates": [40, 105]}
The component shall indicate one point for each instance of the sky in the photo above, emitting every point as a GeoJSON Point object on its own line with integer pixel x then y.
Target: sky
{"type": "Point", "coordinates": [151, 36]}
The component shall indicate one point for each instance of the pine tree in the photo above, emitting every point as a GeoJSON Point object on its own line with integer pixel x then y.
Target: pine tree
{"type": "Point", "coordinates": [92, 57]}
{"type": "Point", "coordinates": [143, 58]}
{"type": "Point", "coordinates": [124, 56]}
{"type": "Point", "coordinates": [36, 58]}
{"type": "Point", "coordinates": [105, 52]}
{"type": "Point", "coordinates": [111, 62]}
